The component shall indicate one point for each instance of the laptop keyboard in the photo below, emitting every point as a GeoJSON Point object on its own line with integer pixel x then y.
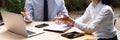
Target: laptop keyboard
{"type": "Point", "coordinates": [30, 32]}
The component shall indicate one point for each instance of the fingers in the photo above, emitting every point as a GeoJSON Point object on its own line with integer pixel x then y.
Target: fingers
{"type": "Point", "coordinates": [25, 9]}
{"type": "Point", "coordinates": [25, 13]}
{"type": "Point", "coordinates": [58, 22]}
{"type": "Point", "coordinates": [64, 19]}
{"type": "Point", "coordinates": [61, 17]}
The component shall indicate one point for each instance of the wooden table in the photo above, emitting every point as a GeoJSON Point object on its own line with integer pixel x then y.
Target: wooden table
{"type": "Point", "coordinates": [6, 35]}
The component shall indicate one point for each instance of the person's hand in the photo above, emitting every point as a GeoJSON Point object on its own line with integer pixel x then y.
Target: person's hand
{"type": "Point", "coordinates": [26, 14]}
{"type": "Point", "coordinates": [62, 18]}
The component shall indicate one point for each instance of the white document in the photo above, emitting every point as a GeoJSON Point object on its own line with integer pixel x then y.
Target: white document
{"type": "Point", "coordinates": [57, 27]}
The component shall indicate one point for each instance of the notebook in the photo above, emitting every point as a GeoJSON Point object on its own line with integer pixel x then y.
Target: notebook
{"type": "Point", "coordinates": [57, 28]}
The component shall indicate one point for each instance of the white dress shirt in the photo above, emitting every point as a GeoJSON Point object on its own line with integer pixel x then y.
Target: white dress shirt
{"type": "Point", "coordinates": [97, 20]}
{"type": "Point", "coordinates": [36, 7]}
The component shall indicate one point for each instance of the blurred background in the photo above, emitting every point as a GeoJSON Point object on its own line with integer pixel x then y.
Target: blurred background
{"type": "Point", "coordinates": [75, 7]}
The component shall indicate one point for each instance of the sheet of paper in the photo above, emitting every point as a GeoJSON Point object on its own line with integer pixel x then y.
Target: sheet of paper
{"type": "Point", "coordinates": [58, 27]}
{"type": "Point", "coordinates": [34, 29]}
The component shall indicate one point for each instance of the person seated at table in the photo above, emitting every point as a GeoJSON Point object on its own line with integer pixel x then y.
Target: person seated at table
{"type": "Point", "coordinates": [98, 20]}
{"type": "Point", "coordinates": [43, 10]}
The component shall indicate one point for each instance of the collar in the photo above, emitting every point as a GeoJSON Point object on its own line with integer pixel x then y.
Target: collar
{"type": "Point", "coordinates": [98, 6]}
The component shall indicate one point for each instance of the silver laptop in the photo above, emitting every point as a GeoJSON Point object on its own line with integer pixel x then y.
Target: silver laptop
{"type": "Point", "coordinates": [15, 23]}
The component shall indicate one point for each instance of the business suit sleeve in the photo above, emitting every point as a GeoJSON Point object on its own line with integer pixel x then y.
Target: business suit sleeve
{"type": "Point", "coordinates": [29, 5]}
{"type": "Point", "coordinates": [62, 8]}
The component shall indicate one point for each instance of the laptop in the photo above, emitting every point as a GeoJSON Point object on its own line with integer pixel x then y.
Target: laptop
{"type": "Point", "coordinates": [15, 23]}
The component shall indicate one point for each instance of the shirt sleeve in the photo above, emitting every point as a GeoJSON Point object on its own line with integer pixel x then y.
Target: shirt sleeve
{"type": "Point", "coordinates": [29, 7]}
{"type": "Point", "coordinates": [81, 21]}
{"type": "Point", "coordinates": [62, 8]}
{"type": "Point", "coordinates": [92, 25]}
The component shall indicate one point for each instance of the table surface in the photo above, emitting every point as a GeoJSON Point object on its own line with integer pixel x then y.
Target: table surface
{"type": "Point", "coordinates": [6, 35]}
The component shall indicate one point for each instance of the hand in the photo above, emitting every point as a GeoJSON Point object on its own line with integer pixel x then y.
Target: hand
{"type": "Point", "coordinates": [26, 14]}
{"type": "Point", "coordinates": [58, 19]}
{"type": "Point", "coordinates": [62, 18]}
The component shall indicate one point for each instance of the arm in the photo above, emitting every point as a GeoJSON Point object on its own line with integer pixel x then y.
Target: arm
{"type": "Point", "coordinates": [29, 9]}
{"type": "Point", "coordinates": [93, 24]}
{"type": "Point", "coordinates": [81, 21]}
{"type": "Point", "coordinates": [70, 22]}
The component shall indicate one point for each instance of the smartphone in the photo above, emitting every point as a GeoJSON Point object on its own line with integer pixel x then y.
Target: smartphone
{"type": "Point", "coordinates": [72, 35]}
{"type": "Point", "coordinates": [41, 25]}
